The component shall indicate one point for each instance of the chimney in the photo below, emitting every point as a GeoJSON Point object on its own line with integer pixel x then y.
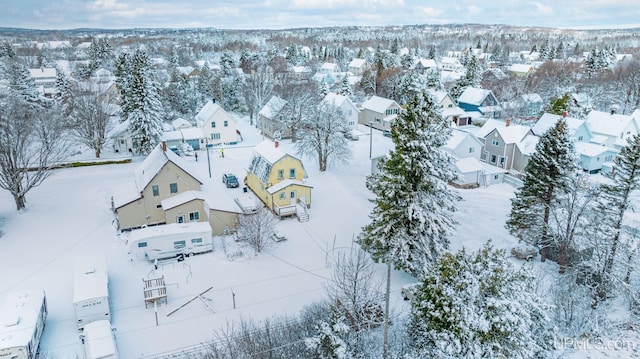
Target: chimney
{"type": "Point", "coordinates": [564, 114]}
{"type": "Point", "coordinates": [507, 122]}
{"type": "Point", "coordinates": [276, 143]}
{"type": "Point", "coordinates": [613, 111]}
{"type": "Point", "coordinates": [164, 146]}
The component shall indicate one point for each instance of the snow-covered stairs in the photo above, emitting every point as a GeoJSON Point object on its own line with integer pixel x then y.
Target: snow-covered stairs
{"type": "Point", "coordinates": [302, 213]}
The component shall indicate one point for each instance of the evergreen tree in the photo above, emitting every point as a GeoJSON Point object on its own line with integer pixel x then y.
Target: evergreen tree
{"type": "Point", "coordinates": [616, 201]}
{"type": "Point", "coordinates": [345, 87]}
{"type": "Point", "coordinates": [412, 217]}
{"type": "Point", "coordinates": [141, 100]}
{"type": "Point", "coordinates": [545, 178]}
{"type": "Point", "coordinates": [328, 342]}
{"type": "Point", "coordinates": [478, 306]}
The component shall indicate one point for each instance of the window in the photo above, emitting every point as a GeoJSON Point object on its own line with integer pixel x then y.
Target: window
{"type": "Point", "coordinates": [292, 173]}
{"type": "Point", "coordinates": [472, 149]}
{"type": "Point", "coordinates": [450, 105]}
{"type": "Point", "coordinates": [158, 206]}
{"type": "Point", "coordinates": [282, 195]}
{"type": "Point", "coordinates": [180, 219]}
{"type": "Point", "coordinates": [579, 138]}
{"type": "Point", "coordinates": [493, 158]}
{"type": "Point", "coordinates": [292, 194]}
{"type": "Point", "coordinates": [173, 188]}
{"type": "Point", "coordinates": [496, 177]}
{"type": "Point", "coordinates": [215, 136]}
{"type": "Point", "coordinates": [142, 244]}
{"type": "Point", "coordinates": [280, 174]}
{"type": "Point", "coordinates": [501, 161]}
{"type": "Point", "coordinates": [194, 216]}
{"type": "Point", "coordinates": [213, 124]}
{"type": "Point", "coordinates": [196, 240]}
{"type": "Point", "coordinates": [495, 143]}
{"type": "Point", "coordinates": [179, 244]}
{"type": "Point", "coordinates": [226, 123]}
{"type": "Point", "coordinates": [156, 190]}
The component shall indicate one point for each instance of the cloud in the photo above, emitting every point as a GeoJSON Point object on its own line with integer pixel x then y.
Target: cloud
{"type": "Point", "coordinates": [106, 5]}
{"type": "Point", "coordinates": [429, 12]}
{"type": "Point", "coordinates": [543, 9]}
{"type": "Point", "coordinates": [473, 10]}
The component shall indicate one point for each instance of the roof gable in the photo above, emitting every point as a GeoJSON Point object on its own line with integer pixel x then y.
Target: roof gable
{"type": "Point", "coordinates": [378, 104]}
{"type": "Point", "coordinates": [153, 163]}
{"type": "Point", "coordinates": [272, 107]}
{"type": "Point", "coordinates": [474, 95]}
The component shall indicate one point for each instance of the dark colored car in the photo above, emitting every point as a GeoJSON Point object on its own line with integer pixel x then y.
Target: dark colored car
{"type": "Point", "coordinates": [230, 180]}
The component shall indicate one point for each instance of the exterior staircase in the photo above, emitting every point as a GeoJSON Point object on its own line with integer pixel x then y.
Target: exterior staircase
{"type": "Point", "coordinates": [302, 212]}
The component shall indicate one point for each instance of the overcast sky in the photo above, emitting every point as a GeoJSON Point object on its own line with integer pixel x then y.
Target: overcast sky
{"type": "Point", "coordinates": [282, 14]}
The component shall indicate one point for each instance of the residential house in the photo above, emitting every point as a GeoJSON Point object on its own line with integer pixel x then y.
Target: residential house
{"type": "Point", "coordinates": [595, 158]}
{"type": "Point", "coordinates": [271, 119]}
{"type": "Point", "coordinates": [578, 129]}
{"type": "Point", "coordinates": [526, 106]}
{"type": "Point", "coordinates": [450, 109]}
{"type": "Point", "coordinates": [463, 144]}
{"type": "Point", "coordinates": [612, 129]}
{"type": "Point", "coordinates": [120, 137]}
{"type": "Point", "coordinates": [216, 125]}
{"type": "Point", "coordinates": [279, 180]}
{"type": "Point", "coordinates": [475, 99]}
{"type": "Point", "coordinates": [187, 71]}
{"type": "Point", "coordinates": [500, 142]}
{"type": "Point", "coordinates": [45, 80]}
{"type": "Point", "coordinates": [521, 69]}
{"type": "Point", "coordinates": [452, 64]}
{"type": "Point", "coordinates": [329, 68]}
{"type": "Point", "coordinates": [160, 176]}
{"type": "Point", "coordinates": [523, 151]}
{"type": "Point", "coordinates": [472, 173]}
{"type": "Point", "coordinates": [349, 109]}
{"type": "Point", "coordinates": [378, 112]}
{"type": "Point", "coordinates": [425, 65]}
{"type": "Point", "coordinates": [358, 66]}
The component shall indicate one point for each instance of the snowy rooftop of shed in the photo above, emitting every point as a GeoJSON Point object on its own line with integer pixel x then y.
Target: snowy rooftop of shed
{"type": "Point", "coordinates": [99, 339]}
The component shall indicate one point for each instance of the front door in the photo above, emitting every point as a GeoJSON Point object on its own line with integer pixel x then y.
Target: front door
{"type": "Point", "coordinates": [180, 219]}
{"type": "Point", "coordinates": [292, 197]}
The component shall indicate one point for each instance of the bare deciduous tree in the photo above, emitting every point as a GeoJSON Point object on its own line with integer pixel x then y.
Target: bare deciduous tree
{"type": "Point", "coordinates": [32, 143]}
{"type": "Point", "coordinates": [257, 228]}
{"type": "Point", "coordinates": [89, 118]}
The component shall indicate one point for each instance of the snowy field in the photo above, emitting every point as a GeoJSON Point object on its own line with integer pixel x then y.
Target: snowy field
{"type": "Point", "coordinates": [69, 216]}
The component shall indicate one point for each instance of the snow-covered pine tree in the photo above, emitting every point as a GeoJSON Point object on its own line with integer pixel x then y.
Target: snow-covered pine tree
{"type": "Point", "coordinates": [328, 342]}
{"type": "Point", "coordinates": [616, 200]}
{"type": "Point", "coordinates": [545, 177]}
{"type": "Point", "coordinates": [478, 306]}
{"type": "Point", "coordinates": [345, 87]}
{"type": "Point", "coordinates": [413, 213]}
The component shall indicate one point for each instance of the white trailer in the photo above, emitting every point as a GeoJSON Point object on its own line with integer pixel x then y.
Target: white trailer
{"type": "Point", "coordinates": [91, 290]}
{"type": "Point", "coordinates": [99, 340]}
{"type": "Point", "coordinates": [171, 240]}
{"type": "Point", "coordinates": [22, 319]}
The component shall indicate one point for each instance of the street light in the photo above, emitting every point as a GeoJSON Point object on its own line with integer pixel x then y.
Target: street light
{"type": "Point", "coordinates": [370, 137]}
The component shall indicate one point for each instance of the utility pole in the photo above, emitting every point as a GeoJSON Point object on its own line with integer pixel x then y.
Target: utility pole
{"type": "Point", "coordinates": [370, 137]}
{"type": "Point", "coordinates": [208, 160]}
{"type": "Point", "coordinates": [385, 343]}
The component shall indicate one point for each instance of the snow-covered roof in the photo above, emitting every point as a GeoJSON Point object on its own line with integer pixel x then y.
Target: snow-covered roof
{"type": "Point", "coordinates": [439, 96]}
{"type": "Point", "coordinates": [19, 316]}
{"type": "Point", "coordinates": [426, 63]}
{"type": "Point", "coordinates": [357, 63]}
{"type": "Point", "coordinates": [99, 339]}
{"type": "Point", "coordinates": [43, 72]}
{"type": "Point", "coordinates": [548, 120]}
{"type": "Point", "coordinates": [591, 149]}
{"type": "Point", "coordinates": [520, 68]}
{"type": "Point", "coordinates": [284, 184]}
{"type": "Point", "coordinates": [607, 123]}
{"type": "Point", "coordinates": [272, 107]}
{"type": "Point", "coordinates": [180, 123]}
{"type": "Point", "coordinates": [171, 136]}
{"type": "Point", "coordinates": [268, 150]}
{"type": "Point", "coordinates": [91, 279]}
{"type": "Point", "coordinates": [457, 137]}
{"type": "Point", "coordinates": [487, 127]}
{"type": "Point", "coordinates": [513, 133]}
{"type": "Point", "coordinates": [531, 98]}
{"type": "Point", "coordinates": [154, 162]}
{"type": "Point", "coordinates": [337, 99]}
{"type": "Point", "coordinates": [473, 95]}
{"type": "Point", "coordinates": [192, 133]}
{"type": "Point", "coordinates": [168, 229]}
{"type": "Point", "coordinates": [449, 60]}
{"type": "Point", "coordinates": [181, 198]}
{"type": "Point", "coordinates": [528, 145]}
{"type": "Point", "coordinates": [468, 165]}
{"type": "Point", "coordinates": [207, 111]}
{"type": "Point", "coordinates": [377, 104]}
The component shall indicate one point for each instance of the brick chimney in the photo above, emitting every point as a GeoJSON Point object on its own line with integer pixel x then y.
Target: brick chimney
{"type": "Point", "coordinates": [276, 143]}
{"type": "Point", "coordinates": [507, 122]}
{"type": "Point", "coordinates": [564, 114]}
{"type": "Point", "coordinates": [164, 146]}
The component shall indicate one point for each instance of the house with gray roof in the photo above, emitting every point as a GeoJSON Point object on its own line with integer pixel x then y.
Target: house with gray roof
{"type": "Point", "coordinates": [378, 112]}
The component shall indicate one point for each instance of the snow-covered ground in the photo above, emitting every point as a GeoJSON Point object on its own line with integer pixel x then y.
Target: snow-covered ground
{"type": "Point", "coordinates": [69, 216]}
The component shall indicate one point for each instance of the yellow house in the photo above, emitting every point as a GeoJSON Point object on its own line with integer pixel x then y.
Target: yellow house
{"type": "Point", "coordinates": [279, 180]}
{"type": "Point", "coordinates": [159, 177]}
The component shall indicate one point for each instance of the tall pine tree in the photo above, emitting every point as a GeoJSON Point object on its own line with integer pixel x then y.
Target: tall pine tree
{"type": "Point", "coordinates": [545, 177]}
{"type": "Point", "coordinates": [412, 217]}
{"type": "Point", "coordinates": [616, 201]}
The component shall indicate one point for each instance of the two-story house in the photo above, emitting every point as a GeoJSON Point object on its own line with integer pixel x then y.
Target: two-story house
{"type": "Point", "coordinates": [358, 66]}
{"type": "Point", "coordinates": [271, 119]}
{"type": "Point", "coordinates": [45, 80]}
{"type": "Point", "coordinates": [450, 109]}
{"type": "Point", "coordinates": [483, 101]}
{"type": "Point", "coordinates": [500, 142]}
{"type": "Point", "coordinates": [578, 129]}
{"type": "Point", "coordinates": [378, 112]}
{"type": "Point", "coordinates": [160, 176]}
{"type": "Point", "coordinates": [612, 129]}
{"type": "Point", "coordinates": [348, 108]}
{"type": "Point", "coordinates": [216, 125]}
{"type": "Point", "coordinates": [452, 64]}
{"type": "Point", "coordinates": [279, 180]}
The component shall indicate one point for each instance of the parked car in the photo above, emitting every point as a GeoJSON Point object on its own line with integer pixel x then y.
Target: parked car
{"type": "Point", "coordinates": [386, 133]}
{"type": "Point", "coordinates": [230, 180]}
{"type": "Point", "coordinates": [353, 135]}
